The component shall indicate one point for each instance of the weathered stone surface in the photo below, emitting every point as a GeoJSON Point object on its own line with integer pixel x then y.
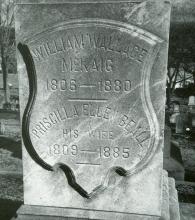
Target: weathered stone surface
{"type": "Point", "coordinates": [42, 213]}
{"type": "Point", "coordinates": [172, 157]}
{"type": "Point", "coordinates": [187, 211]}
{"type": "Point", "coordinates": [173, 201]}
{"type": "Point", "coordinates": [165, 197]}
{"type": "Point", "coordinates": [170, 209]}
{"type": "Point", "coordinates": [94, 103]}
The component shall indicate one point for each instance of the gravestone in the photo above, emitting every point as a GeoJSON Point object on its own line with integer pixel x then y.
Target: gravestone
{"type": "Point", "coordinates": [167, 142]}
{"type": "Point", "coordinates": [172, 158]}
{"type": "Point", "coordinates": [176, 113]}
{"type": "Point", "coordinates": [179, 128]}
{"type": "Point", "coordinates": [191, 106]}
{"type": "Point", "coordinates": [92, 95]}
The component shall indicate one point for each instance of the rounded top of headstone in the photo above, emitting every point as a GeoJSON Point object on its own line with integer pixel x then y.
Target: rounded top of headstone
{"type": "Point", "coordinates": [191, 100]}
{"type": "Point", "coordinates": [176, 108]}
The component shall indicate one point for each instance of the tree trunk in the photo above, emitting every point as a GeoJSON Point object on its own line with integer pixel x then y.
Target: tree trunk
{"type": "Point", "coordinates": [193, 74]}
{"type": "Point", "coordinates": [168, 102]}
{"type": "Point", "coordinates": [168, 95]}
{"type": "Point", "coordinates": [5, 78]}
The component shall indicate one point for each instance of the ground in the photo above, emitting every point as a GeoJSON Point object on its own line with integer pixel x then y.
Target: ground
{"type": "Point", "coordinates": [11, 185]}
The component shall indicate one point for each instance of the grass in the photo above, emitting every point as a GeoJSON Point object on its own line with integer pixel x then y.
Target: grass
{"type": "Point", "coordinates": [8, 208]}
{"type": "Point", "coordinates": [12, 146]}
{"type": "Point", "coordinates": [11, 187]}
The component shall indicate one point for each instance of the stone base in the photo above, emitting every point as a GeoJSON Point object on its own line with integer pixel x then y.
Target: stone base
{"type": "Point", "coordinates": [187, 211]}
{"type": "Point", "coordinates": [170, 210]}
{"type": "Point", "coordinates": [52, 213]}
{"type": "Point", "coordinates": [173, 201]}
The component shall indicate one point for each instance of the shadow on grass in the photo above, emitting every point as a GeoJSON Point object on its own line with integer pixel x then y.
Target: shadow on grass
{"type": "Point", "coordinates": [11, 145]}
{"type": "Point", "coordinates": [8, 209]}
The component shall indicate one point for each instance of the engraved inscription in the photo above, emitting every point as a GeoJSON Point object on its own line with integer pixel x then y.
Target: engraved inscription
{"type": "Point", "coordinates": [114, 85]}
{"type": "Point", "coordinates": [95, 108]}
{"type": "Point", "coordinates": [102, 152]}
{"type": "Point", "coordinates": [115, 152]}
{"type": "Point", "coordinates": [62, 85]}
{"type": "Point", "coordinates": [101, 134]}
{"type": "Point", "coordinates": [70, 133]}
{"type": "Point", "coordinates": [97, 64]}
{"type": "Point", "coordinates": [107, 42]}
{"type": "Point", "coordinates": [59, 115]}
{"type": "Point", "coordinates": [64, 149]}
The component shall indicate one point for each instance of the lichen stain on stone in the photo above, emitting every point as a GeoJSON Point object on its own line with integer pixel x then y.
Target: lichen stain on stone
{"type": "Point", "coordinates": [147, 12]}
{"type": "Point", "coordinates": [136, 13]}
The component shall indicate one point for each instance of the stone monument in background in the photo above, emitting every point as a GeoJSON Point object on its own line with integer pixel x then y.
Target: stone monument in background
{"type": "Point", "coordinates": [92, 80]}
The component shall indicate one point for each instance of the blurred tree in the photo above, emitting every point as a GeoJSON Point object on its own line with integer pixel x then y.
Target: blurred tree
{"type": "Point", "coordinates": [7, 43]}
{"type": "Point", "coordinates": [181, 63]}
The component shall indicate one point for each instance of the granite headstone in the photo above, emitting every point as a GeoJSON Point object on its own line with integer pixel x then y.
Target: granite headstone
{"type": "Point", "coordinates": [92, 94]}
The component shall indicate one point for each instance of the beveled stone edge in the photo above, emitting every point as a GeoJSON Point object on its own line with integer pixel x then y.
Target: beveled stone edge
{"type": "Point", "coordinates": [50, 2]}
{"type": "Point", "coordinates": [67, 212]}
{"type": "Point", "coordinates": [173, 200]}
{"type": "Point", "coordinates": [145, 97]}
{"type": "Point", "coordinates": [165, 208]}
{"type": "Point", "coordinates": [119, 25]}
